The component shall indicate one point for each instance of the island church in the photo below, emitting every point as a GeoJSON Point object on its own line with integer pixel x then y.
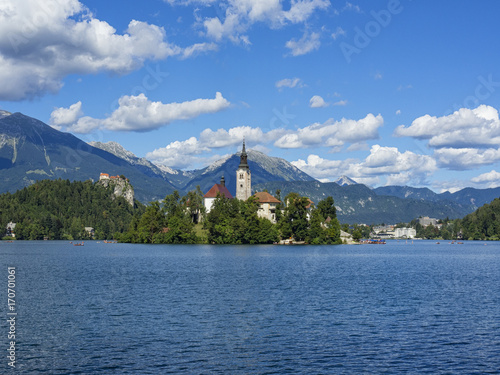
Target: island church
{"type": "Point", "coordinates": [267, 203]}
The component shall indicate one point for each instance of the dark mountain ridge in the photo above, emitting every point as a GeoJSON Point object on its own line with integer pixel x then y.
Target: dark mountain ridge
{"type": "Point", "coordinates": [31, 150]}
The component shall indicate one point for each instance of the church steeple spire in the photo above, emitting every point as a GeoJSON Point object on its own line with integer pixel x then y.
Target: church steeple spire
{"type": "Point", "coordinates": [243, 157]}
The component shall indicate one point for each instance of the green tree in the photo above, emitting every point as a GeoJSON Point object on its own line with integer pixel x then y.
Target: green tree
{"type": "Point", "coordinates": [294, 222]}
{"type": "Point", "coordinates": [151, 223]}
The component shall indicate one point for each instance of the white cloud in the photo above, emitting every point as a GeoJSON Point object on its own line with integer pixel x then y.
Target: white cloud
{"type": "Point", "coordinates": [465, 139]}
{"type": "Point", "coordinates": [198, 48]}
{"type": "Point", "coordinates": [341, 103]}
{"type": "Point", "coordinates": [231, 137]}
{"type": "Point", "coordinates": [84, 125]}
{"type": "Point", "coordinates": [398, 112]}
{"type": "Point", "coordinates": [338, 32]}
{"type": "Point", "coordinates": [352, 7]}
{"type": "Point", "coordinates": [289, 82]}
{"type": "Point", "coordinates": [178, 154]}
{"type": "Point", "coordinates": [317, 102]}
{"type": "Point", "coordinates": [333, 133]}
{"type": "Point", "coordinates": [492, 177]}
{"type": "Point", "coordinates": [389, 160]}
{"type": "Point", "coordinates": [466, 158]}
{"type": "Point", "coordinates": [66, 116]}
{"type": "Point", "coordinates": [308, 43]}
{"type": "Point", "coordinates": [41, 42]}
{"type": "Point", "coordinates": [182, 154]}
{"type": "Point", "coordinates": [138, 113]}
{"type": "Point", "coordinates": [479, 127]}
{"type": "Point", "coordinates": [397, 167]}
{"type": "Point", "coordinates": [404, 87]}
{"type": "Point", "coordinates": [377, 76]}
{"type": "Point", "coordinates": [240, 15]}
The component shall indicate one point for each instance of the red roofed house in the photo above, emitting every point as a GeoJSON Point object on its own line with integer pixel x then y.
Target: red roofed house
{"type": "Point", "coordinates": [208, 198]}
{"type": "Point", "coordinates": [267, 206]}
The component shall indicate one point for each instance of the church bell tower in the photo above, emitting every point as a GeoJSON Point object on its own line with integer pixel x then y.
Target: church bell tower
{"type": "Point", "coordinates": [243, 177]}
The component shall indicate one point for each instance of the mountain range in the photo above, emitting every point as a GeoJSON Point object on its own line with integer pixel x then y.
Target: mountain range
{"type": "Point", "coordinates": [30, 150]}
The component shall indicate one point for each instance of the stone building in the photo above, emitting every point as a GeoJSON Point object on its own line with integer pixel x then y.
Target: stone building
{"type": "Point", "coordinates": [243, 177]}
{"type": "Point", "coordinates": [267, 206]}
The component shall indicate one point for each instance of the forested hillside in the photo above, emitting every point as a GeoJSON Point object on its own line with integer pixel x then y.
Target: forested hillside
{"type": "Point", "coordinates": [61, 209]}
{"type": "Point", "coordinates": [484, 223]}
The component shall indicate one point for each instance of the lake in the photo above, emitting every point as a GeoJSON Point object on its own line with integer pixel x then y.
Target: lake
{"type": "Point", "coordinates": [119, 308]}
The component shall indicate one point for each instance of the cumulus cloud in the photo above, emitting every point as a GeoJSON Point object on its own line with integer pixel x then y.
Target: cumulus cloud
{"type": "Point", "coordinates": [465, 139]}
{"type": "Point", "coordinates": [290, 83]}
{"type": "Point", "coordinates": [233, 136]}
{"type": "Point", "coordinates": [333, 133]}
{"type": "Point", "coordinates": [317, 102]}
{"type": "Point", "coordinates": [178, 154]}
{"type": "Point", "coordinates": [318, 167]}
{"type": "Point", "coordinates": [492, 176]}
{"type": "Point", "coordinates": [308, 43]}
{"type": "Point", "coordinates": [66, 116]}
{"type": "Point", "coordinates": [240, 15]}
{"type": "Point", "coordinates": [382, 162]}
{"type": "Point", "coordinates": [390, 161]}
{"type": "Point", "coordinates": [41, 42]}
{"type": "Point", "coordinates": [138, 113]}
{"type": "Point", "coordinates": [466, 158]}
{"type": "Point", "coordinates": [477, 127]}
{"type": "Point", "coordinates": [181, 154]}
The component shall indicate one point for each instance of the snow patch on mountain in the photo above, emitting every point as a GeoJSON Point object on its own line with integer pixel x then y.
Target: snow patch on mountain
{"type": "Point", "coordinates": [4, 113]}
{"type": "Point", "coordinates": [345, 181]}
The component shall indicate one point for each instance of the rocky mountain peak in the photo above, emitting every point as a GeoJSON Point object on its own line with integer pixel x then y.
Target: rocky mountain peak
{"type": "Point", "coordinates": [345, 181]}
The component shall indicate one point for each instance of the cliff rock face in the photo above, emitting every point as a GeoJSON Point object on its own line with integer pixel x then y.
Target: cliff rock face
{"type": "Point", "coordinates": [122, 188]}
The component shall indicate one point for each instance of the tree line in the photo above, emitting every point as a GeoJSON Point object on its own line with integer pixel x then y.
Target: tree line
{"type": "Point", "coordinates": [60, 210]}
{"type": "Point", "coordinates": [180, 220]}
{"type": "Point", "coordinates": [482, 224]}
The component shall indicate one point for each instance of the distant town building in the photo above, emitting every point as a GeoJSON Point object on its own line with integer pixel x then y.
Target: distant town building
{"type": "Point", "coordinates": [383, 228]}
{"type": "Point", "coordinates": [209, 197]}
{"type": "Point", "coordinates": [405, 233]}
{"type": "Point", "coordinates": [426, 221]}
{"type": "Point", "coordinates": [267, 206]}
{"type": "Point", "coordinates": [243, 177]}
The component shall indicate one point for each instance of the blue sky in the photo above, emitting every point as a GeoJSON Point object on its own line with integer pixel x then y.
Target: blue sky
{"type": "Point", "coordinates": [386, 92]}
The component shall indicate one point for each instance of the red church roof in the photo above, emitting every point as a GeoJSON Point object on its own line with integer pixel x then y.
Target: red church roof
{"type": "Point", "coordinates": [265, 197]}
{"type": "Point", "coordinates": [218, 188]}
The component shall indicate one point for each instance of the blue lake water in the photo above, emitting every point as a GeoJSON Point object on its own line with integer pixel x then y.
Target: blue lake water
{"type": "Point", "coordinates": [146, 309]}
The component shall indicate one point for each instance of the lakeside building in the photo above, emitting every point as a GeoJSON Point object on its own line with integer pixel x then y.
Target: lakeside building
{"type": "Point", "coordinates": [383, 228]}
{"type": "Point", "coordinates": [267, 206]}
{"type": "Point", "coordinates": [426, 221]}
{"type": "Point", "coordinates": [405, 233]}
